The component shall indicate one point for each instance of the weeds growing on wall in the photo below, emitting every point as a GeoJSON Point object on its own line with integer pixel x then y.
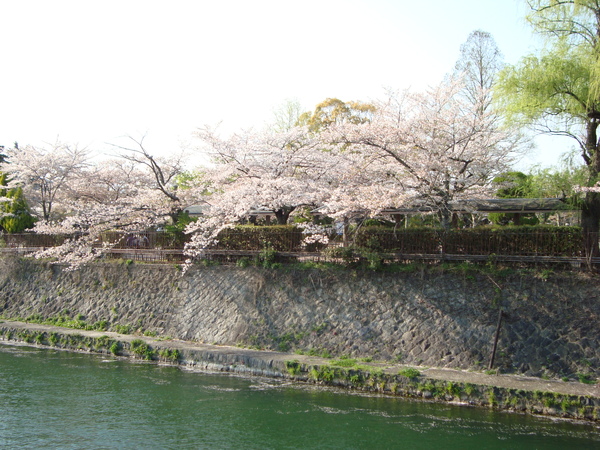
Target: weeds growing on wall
{"type": "Point", "coordinates": [167, 354]}
{"type": "Point", "coordinates": [142, 349]}
{"type": "Point", "coordinates": [293, 367]}
{"type": "Point", "coordinates": [410, 373]}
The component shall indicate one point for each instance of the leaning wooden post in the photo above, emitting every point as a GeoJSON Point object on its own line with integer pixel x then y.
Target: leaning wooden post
{"type": "Point", "coordinates": [500, 314]}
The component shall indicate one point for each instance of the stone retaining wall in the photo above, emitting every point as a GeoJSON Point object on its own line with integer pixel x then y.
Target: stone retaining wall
{"type": "Point", "coordinates": [427, 318]}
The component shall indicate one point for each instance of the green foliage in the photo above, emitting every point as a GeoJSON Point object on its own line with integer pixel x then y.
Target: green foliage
{"type": "Point", "coordinates": [540, 183]}
{"type": "Point", "coordinates": [334, 111]}
{"type": "Point", "coordinates": [243, 262]}
{"type": "Point", "coordinates": [549, 400]}
{"type": "Point", "coordinates": [293, 367]}
{"type": "Point", "coordinates": [383, 239]}
{"type": "Point", "coordinates": [53, 338]}
{"type": "Point", "coordinates": [17, 216]}
{"type": "Point", "coordinates": [346, 362]}
{"type": "Point", "coordinates": [513, 185]}
{"type": "Point", "coordinates": [410, 373]}
{"type": "Point", "coordinates": [286, 340]}
{"type": "Point", "coordinates": [469, 389]}
{"type": "Point", "coordinates": [558, 90]}
{"type": "Point", "coordinates": [116, 348]}
{"type": "Point", "coordinates": [40, 338]}
{"type": "Point", "coordinates": [371, 244]}
{"type": "Point", "coordinates": [539, 86]}
{"type": "Point", "coordinates": [103, 342]}
{"type": "Point", "coordinates": [303, 215]}
{"type": "Point", "coordinates": [140, 348]}
{"type": "Point", "coordinates": [101, 325]}
{"type": "Point", "coordinates": [378, 223]}
{"type": "Point", "coordinates": [356, 256]}
{"type": "Point", "coordinates": [323, 352]}
{"type": "Point", "coordinates": [492, 399]}
{"type": "Point", "coordinates": [453, 389]}
{"type": "Point", "coordinates": [122, 329]}
{"type": "Point", "coordinates": [267, 256]}
{"type": "Point", "coordinates": [193, 180]}
{"type": "Point", "coordinates": [174, 233]}
{"type": "Point", "coordinates": [585, 378]}
{"type": "Point", "coordinates": [507, 218]}
{"type": "Point", "coordinates": [427, 386]}
{"type": "Point", "coordinates": [559, 182]}
{"type": "Point", "coordinates": [280, 238]}
{"type": "Point", "coordinates": [322, 373]}
{"type": "Point", "coordinates": [168, 354]}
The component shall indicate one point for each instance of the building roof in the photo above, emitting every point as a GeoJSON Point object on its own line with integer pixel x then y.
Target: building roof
{"type": "Point", "coordinates": [512, 205]}
{"type": "Point", "coordinates": [501, 205]}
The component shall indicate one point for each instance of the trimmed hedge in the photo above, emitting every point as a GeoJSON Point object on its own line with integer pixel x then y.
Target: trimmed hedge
{"type": "Point", "coordinates": [523, 240]}
{"type": "Point", "coordinates": [281, 238]}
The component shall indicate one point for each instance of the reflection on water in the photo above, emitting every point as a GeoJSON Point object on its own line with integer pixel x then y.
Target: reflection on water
{"type": "Point", "coordinates": [57, 399]}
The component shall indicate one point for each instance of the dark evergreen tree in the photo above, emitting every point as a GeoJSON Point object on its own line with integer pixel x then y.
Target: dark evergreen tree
{"type": "Point", "coordinates": [14, 213]}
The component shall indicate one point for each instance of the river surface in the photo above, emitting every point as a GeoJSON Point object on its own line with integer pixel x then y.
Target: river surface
{"type": "Point", "coordinates": [56, 399]}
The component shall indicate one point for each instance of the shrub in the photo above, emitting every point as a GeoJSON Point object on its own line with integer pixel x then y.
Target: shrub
{"type": "Point", "coordinates": [344, 362]}
{"type": "Point", "coordinates": [293, 367]}
{"type": "Point", "coordinates": [116, 348]}
{"type": "Point", "coordinates": [101, 325]}
{"type": "Point", "coordinates": [410, 373]}
{"type": "Point", "coordinates": [140, 348]}
{"type": "Point", "coordinates": [280, 238]}
{"type": "Point", "coordinates": [173, 355]}
{"type": "Point", "coordinates": [243, 262]}
{"type": "Point", "coordinates": [122, 329]}
{"type": "Point", "coordinates": [585, 378]}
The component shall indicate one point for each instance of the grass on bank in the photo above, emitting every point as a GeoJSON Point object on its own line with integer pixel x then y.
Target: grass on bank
{"type": "Point", "coordinates": [78, 322]}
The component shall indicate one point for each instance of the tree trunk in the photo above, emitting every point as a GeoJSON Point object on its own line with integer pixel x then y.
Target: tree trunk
{"type": "Point", "coordinates": [345, 231]}
{"type": "Point", "coordinates": [283, 215]}
{"type": "Point", "coordinates": [590, 223]}
{"type": "Point", "coordinates": [445, 218]}
{"type": "Point", "coordinates": [175, 215]}
{"type": "Point", "coordinates": [590, 213]}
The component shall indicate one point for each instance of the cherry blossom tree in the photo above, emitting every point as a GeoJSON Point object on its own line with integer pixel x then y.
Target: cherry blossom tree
{"type": "Point", "coordinates": [422, 148]}
{"type": "Point", "coordinates": [44, 173]}
{"type": "Point", "coordinates": [133, 192]}
{"type": "Point", "coordinates": [268, 170]}
{"type": "Point", "coordinates": [114, 196]}
{"type": "Point", "coordinates": [163, 170]}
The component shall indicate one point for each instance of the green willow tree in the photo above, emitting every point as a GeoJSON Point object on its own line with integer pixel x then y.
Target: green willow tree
{"type": "Point", "coordinates": [558, 91]}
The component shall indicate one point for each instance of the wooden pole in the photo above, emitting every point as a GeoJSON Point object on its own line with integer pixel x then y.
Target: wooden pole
{"type": "Point", "coordinates": [500, 314]}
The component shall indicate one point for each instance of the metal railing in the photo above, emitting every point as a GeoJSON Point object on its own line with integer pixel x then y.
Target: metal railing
{"type": "Point", "coordinates": [549, 244]}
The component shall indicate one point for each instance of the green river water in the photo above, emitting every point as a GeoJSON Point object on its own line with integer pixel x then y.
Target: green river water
{"type": "Point", "coordinates": [56, 399]}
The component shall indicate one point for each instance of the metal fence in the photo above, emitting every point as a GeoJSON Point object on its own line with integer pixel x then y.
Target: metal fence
{"type": "Point", "coordinates": [560, 244]}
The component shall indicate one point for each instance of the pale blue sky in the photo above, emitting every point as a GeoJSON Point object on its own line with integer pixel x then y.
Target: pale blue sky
{"type": "Point", "coordinates": [90, 72]}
